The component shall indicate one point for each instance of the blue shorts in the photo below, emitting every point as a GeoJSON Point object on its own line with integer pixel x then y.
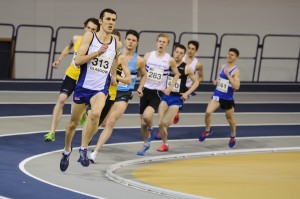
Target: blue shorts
{"type": "Point", "coordinates": [172, 100]}
{"type": "Point", "coordinates": [83, 95]}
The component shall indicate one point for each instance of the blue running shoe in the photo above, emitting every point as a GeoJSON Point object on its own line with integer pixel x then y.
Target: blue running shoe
{"type": "Point", "coordinates": [83, 157]}
{"type": "Point", "coordinates": [204, 134]}
{"type": "Point", "coordinates": [231, 142]}
{"type": "Point", "coordinates": [64, 162]}
{"type": "Point", "coordinates": [143, 150]}
{"type": "Point", "coordinates": [158, 136]}
{"type": "Point", "coordinates": [150, 135]}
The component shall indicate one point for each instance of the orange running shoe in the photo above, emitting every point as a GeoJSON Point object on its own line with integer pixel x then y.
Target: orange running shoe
{"type": "Point", "coordinates": [176, 118]}
{"type": "Point", "coordinates": [163, 148]}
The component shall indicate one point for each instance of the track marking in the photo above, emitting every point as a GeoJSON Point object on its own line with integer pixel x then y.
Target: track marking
{"type": "Point", "coordinates": [110, 172]}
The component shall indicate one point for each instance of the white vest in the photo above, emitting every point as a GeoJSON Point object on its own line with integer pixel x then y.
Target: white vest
{"type": "Point", "coordinates": [95, 74]}
{"type": "Point", "coordinates": [189, 82]}
{"type": "Point", "coordinates": [157, 71]}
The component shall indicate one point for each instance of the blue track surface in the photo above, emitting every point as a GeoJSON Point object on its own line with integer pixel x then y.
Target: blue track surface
{"type": "Point", "coordinates": [46, 109]}
{"type": "Point", "coordinates": [14, 149]}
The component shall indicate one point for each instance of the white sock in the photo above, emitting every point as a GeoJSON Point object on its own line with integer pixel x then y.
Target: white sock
{"type": "Point", "coordinates": [93, 154]}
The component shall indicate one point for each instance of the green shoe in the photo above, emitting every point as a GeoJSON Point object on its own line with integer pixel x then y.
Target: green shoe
{"type": "Point", "coordinates": [82, 121]}
{"type": "Point", "coordinates": [49, 137]}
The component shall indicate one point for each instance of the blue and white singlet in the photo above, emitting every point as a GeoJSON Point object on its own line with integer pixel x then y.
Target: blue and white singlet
{"type": "Point", "coordinates": [95, 74]}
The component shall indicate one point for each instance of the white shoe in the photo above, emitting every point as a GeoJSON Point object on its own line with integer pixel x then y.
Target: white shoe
{"type": "Point", "coordinates": [92, 157]}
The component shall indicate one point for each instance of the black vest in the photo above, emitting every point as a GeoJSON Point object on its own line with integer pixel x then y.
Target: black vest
{"type": "Point", "coordinates": [183, 77]}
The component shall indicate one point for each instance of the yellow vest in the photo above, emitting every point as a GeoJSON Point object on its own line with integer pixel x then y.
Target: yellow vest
{"type": "Point", "coordinates": [112, 91]}
{"type": "Point", "coordinates": [73, 71]}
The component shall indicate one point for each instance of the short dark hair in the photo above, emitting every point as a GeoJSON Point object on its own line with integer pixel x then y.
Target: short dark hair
{"type": "Point", "coordinates": [94, 21]}
{"type": "Point", "coordinates": [180, 46]}
{"type": "Point", "coordinates": [134, 33]}
{"type": "Point", "coordinates": [195, 43]}
{"type": "Point", "coordinates": [236, 51]}
{"type": "Point", "coordinates": [111, 11]}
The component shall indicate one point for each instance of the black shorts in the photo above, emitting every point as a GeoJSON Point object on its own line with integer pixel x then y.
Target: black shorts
{"type": "Point", "coordinates": [150, 98]}
{"type": "Point", "coordinates": [123, 96]}
{"type": "Point", "coordinates": [226, 104]}
{"type": "Point", "coordinates": [68, 85]}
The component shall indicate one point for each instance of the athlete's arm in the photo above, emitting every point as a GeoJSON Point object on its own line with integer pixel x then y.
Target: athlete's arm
{"type": "Point", "coordinates": [113, 70]}
{"type": "Point", "coordinates": [141, 65]}
{"type": "Point", "coordinates": [175, 71]}
{"type": "Point", "coordinates": [146, 56]}
{"type": "Point", "coordinates": [199, 69]}
{"type": "Point", "coordinates": [81, 57]}
{"type": "Point", "coordinates": [123, 63]}
{"type": "Point", "coordinates": [67, 50]}
{"type": "Point", "coordinates": [189, 71]}
{"type": "Point", "coordinates": [234, 79]}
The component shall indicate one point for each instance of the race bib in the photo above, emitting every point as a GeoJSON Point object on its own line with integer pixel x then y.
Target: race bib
{"type": "Point", "coordinates": [100, 64]}
{"type": "Point", "coordinates": [155, 74]}
{"type": "Point", "coordinates": [120, 83]}
{"type": "Point", "coordinates": [176, 88]}
{"type": "Point", "coordinates": [223, 85]}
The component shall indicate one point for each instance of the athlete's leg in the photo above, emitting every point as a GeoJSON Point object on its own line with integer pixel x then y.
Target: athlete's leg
{"type": "Point", "coordinates": [88, 117]}
{"type": "Point", "coordinates": [105, 112]}
{"type": "Point", "coordinates": [116, 111]}
{"type": "Point", "coordinates": [78, 110]}
{"type": "Point", "coordinates": [146, 120]}
{"type": "Point", "coordinates": [211, 107]}
{"type": "Point", "coordinates": [57, 111]}
{"type": "Point", "coordinates": [97, 103]}
{"type": "Point", "coordinates": [162, 110]}
{"type": "Point", "coordinates": [167, 121]}
{"type": "Point", "coordinates": [231, 120]}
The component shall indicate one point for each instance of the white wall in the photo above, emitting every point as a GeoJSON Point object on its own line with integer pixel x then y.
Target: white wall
{"type": "Point", "coordinates": [218, 16]}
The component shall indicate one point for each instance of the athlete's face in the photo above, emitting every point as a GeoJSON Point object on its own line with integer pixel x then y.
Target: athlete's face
{"type": "Point", "coordinates": [162, 44]}
{"type": "Point", "coordinates": [178, 54]}
{"type": "Point", "coordinates": [108, 22]}
{"type": "Point", "coordinates": [91, 27]}
{"type": "Point", "coordinates": [131, 42]}
{"type": "Point", "coordinates": [231, 57]}
{"type": "Point", "coordinates": [191, 50]}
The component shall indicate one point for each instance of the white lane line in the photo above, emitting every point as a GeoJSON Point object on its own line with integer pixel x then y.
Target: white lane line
{"type": "Point", "coordinates": [22, 168]}
{"type": "Point", "coordinates": [137, 185]}
{"type": "Point", "coordinates": [110, 172]}
{"type": "Point", "coordinates": [156, 127]}
{"type": "Point", "coordinates": [2, 197]}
